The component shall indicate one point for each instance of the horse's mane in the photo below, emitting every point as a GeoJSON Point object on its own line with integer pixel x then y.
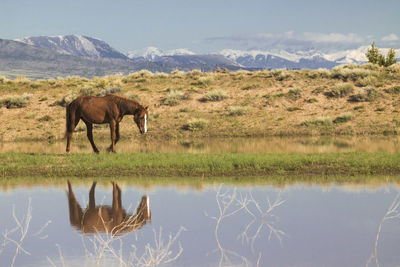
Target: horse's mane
{"type": "Point", "coordinates": [125, 103]}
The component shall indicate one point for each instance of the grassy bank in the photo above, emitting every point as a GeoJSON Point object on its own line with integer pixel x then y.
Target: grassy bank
{"type": "Point", "coordinates": [296, 166]}
{"type": "Point", "coordinates": [348, 100]}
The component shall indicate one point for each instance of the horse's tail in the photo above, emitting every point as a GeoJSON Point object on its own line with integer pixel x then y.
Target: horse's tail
{"type": "Point", "coordinates": [69, 119]}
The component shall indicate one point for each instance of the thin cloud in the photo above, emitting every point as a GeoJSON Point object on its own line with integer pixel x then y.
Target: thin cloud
{"type": "Point", "coordinates": [390, 38]}
{"type": "Point", "coordinates": [293, 40]}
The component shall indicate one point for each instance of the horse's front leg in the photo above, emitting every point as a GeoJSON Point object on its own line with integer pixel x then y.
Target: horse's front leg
{"type": "Point", "coordinates": [114, 128]}
{"type": "Point", "coordinates": [89, 130]}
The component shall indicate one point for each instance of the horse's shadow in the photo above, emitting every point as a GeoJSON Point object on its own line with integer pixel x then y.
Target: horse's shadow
{"type": "Point", "coordinates": [103, 218]}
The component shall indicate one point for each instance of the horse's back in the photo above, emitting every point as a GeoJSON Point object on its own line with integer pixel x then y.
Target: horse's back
{"type": "Point", "coordinates": [95, 109]}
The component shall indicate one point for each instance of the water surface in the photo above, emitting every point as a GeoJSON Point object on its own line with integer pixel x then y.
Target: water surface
{"type": "Point", "coordinates": [218, 225]}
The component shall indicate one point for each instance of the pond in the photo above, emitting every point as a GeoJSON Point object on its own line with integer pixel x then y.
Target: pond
{"type": "Point", "coordinates": [209, 225]}
{"type": "Point", "coordinates": [218, 145]}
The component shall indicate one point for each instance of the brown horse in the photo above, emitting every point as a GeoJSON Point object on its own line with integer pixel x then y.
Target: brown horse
{"type": "Point", "coordinates": [108, 219]}
{"type": "Point", "coordinates": [98, 110]}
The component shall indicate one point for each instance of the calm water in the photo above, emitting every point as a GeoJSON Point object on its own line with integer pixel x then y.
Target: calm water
{"type": "Point", "coordinates": [217, 225]}
{"type": "Point", "coordinates": [218, 145]}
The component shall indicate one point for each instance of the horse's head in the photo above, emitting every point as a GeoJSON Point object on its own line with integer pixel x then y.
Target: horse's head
{"type": "Point", "coordinates": [140, 118]}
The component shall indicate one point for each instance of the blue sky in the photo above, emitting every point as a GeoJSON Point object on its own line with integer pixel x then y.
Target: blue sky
{"type": "Point", "coordinates": [209, 25]}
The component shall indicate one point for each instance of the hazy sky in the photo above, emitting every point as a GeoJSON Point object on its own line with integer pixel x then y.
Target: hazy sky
{"type": "Point", "coordinates": [209, 25]}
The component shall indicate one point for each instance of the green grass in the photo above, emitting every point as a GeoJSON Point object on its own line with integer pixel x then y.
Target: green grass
{"type": "Point", "coordinates": [198, 165]}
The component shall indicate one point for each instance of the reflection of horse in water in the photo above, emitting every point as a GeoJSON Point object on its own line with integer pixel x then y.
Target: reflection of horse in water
{"type": "Point", "coordinates": [104, 218]}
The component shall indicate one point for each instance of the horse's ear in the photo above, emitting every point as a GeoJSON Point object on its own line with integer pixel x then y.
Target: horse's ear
{"type": "Point", "coordinates": [146, 108]}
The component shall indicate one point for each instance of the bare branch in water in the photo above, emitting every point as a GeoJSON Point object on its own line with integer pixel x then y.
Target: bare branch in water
{"type": "Point", "coordinates": [230, 203]}
{"type": "Point", "coordinates": [21, 229]}
{"type": "Point", "coordinates": [392, 213]}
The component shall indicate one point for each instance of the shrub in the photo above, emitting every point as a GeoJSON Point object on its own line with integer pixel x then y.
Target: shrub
{"type": "Point", "coordinates": [312, 100]}
{"type": "Point", "coordinates": [249, 87]}
{"type": "Point", "coordinates": [318, 90]}
{"type": "Point", "coordinates": [281, 74]}
{"type": "Point", "coordinates": [365, 95]}
{"type": "Point", "coordinates": [145, 73]}
{"type": "Point", "coordinates": [45, 118]}
{"type": "Point", "coordinates": [161, 75]}
{"type": "Point", "coordinates": [340, 90]}
{"type": "Point", "coordinates": [348, 72]}
{"type": "Point", "coordinates": [204, 81]}
{"type": "Point", "coordinates": [319, 121]}
{"type": "Point", "coordinates": [375, 57]}
{"type": "Point", "coordinates": [87, 91]}
{"type": "Point", "coordinates": [214, 95]}
{"type": "Point", "coordinates": [393, 90]}
{"type": "Point", "coordinates": [15, 101]}
{"type": "Point", "coordinates": [237, 110]}
{"type": "Point", "coordinates": [290, 109]}
{"type": "Point", "coordinates": [343, 118]}
{"type": "Point", "coordinates": [293, 94]}
{"type": "Point", "coordinates": [110, 90]}
{"type": "Point", "coordinates": [178, 74]}
{"type": "Point", "coordinates": [66, 99]}
{"type": "Point", "coordinates": [173, 98]}
{"type": "Point", "coordinates": [194, 73]}
{"type": "Point", "coordinates": [368, 80]}
{"type": "Point", "coordinates": [132, 95]}
{"type": "Point", "coordinates": [195, 125]}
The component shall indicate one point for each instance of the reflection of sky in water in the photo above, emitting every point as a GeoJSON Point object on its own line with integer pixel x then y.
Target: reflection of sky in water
{"type": "Point", "coordinates": [331, 227]}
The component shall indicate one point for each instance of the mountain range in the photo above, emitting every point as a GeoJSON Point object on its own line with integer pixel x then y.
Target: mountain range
{"type": "Point", "coordinates": [45, 57]}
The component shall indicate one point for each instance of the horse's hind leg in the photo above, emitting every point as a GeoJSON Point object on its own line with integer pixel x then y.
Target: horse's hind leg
{"type": "Point", "coordinates": [89, 129]}
{"type": "Point", "coordinates": [92, 202]}
{"type": "Point", "coordinates": [72, 120]}
{"type": "Point", "coordinates": [75, 210]}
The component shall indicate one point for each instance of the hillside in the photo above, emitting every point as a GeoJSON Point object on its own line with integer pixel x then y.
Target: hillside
{"type": "Point", "coordinates": [348, 100]}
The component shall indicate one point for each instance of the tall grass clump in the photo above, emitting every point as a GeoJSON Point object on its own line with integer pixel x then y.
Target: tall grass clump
{"type": "Point", "coordinates": [319, 121]}
{"type": "Point", "coordinates": [340, 90]}
{"type": "Point", "coordinates": [345, 117]}
{"type": "Point", "coordinates": [214, 95]}
{"type": "Point", "coordinates": [15, 101]}
{"type": "Point", "coordinates": [174, 97]}
{"type": "Point", "coordinates": [237, 110]}
{"type": "Point", "coordinates": [195, 125]}
{"type": "Point", "coordinates": [365, 95]}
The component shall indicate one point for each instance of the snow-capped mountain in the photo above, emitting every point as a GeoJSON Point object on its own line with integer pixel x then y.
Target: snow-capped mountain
{"type": "Point", "coordinates": [153, 53]}
{"type": "Point", "coordinates": [75, 45]}
{"type": "Point", "coordinates": [310, 59]}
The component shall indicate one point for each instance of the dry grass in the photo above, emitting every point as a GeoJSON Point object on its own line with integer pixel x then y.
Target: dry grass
{"type": "Point", "coordinates": [265, 96]}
